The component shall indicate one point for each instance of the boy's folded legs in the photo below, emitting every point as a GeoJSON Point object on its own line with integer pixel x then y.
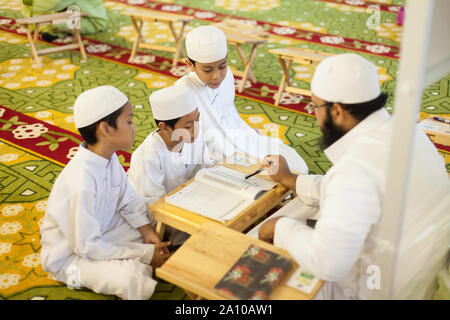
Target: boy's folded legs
{"type": "Point", "coordinates": [127, 279]}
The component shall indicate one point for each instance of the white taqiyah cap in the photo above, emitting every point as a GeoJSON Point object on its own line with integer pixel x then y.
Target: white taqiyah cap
{"type": "Point", "coordinates": [346, 78]}
{"type": "Point", "coordinates": [172, 102]}
{"type": "Point", "coordinates": [95, 104]}
{"type": "Point", "coordinates": [206, 44]}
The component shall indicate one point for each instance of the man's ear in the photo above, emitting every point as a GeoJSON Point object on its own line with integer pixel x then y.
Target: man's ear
{"type": "Point", "coordinates": [190, 65]}
{"type": "Point", "coordinates": [342, 117]}
{"type": "Point", "coordinates": [339, 114]}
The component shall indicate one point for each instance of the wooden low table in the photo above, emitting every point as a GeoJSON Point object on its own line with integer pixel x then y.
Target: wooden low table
{"type": "Point", "coordinates": [199, 264]}
{"type": "Point", "coordinates": [286, 56]}
{"type": "Point", "coordinates": [56, 18]}
{"type": "Point", "coordinates": [238, 38]}
{"type": "Point", "coordinates": [189, 222]}
{"type": "Point", "coordinates": [138, 19]}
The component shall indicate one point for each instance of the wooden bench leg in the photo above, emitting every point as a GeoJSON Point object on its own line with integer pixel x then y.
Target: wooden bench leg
{"type": "Point", "coordinates": [247, 70]}
{"type": "Point", "coordinates": [137, 27]}
{"type": "Point", "coordinates": [34, 53]}
{"type": "Point", "coordinates": [160, 229]}
{"type": "Point", "coordinates": [178, 41]}
{"type": "Point", "coordinates": [192, 295]}
{"type": "Point", "coordinates": [36, 33]}
{"type": "Point", "coordinates": [77, 39]}
{"type": "Point", "coordinates": [285, 78]}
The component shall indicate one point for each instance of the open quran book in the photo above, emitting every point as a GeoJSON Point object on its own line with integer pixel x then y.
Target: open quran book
{"type": "Point", "coordinates": [219, 193]}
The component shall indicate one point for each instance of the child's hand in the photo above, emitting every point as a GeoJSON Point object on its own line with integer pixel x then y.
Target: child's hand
{"type": "Point", "coordinates": [149, 234]}
{"type": "Point", "coordinates": [151, 237]}
{"type": "Point", "coordinates": [160, 254]}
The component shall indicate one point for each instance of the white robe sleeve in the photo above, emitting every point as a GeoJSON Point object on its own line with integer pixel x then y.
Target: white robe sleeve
{"type": "Point", "coordinates": [132, 206]}
{"type": "Point", "coordinates": [152, 181]}
{"type": "Point", "coordinates": [231, 110]}
{"type": "Point", "coordinates": [350, 206]}
{"type": "Point", "coordinates": [76, 220]}
{"type": "Point", "coordinates": [308, 189]}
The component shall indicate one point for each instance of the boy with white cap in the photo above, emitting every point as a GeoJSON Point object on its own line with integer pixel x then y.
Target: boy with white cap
{"type": "Point", "coordinates": [96, 232]}
{"type": "Point", "coordinates": [173, 153]}
{"type": "Point", "coordinates": [342, 247]}
{"type": "Point", "coordinates": [212, 82]}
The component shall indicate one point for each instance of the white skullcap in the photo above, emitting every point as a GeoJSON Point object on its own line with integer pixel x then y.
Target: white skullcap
{"type": "Point", "coordinates": [172, 102]}
{"type": "Point", "coordinates": [95, 104]}
{"type": "Point", "coordinates": [346, 78]}
{"type": "Point", "coordinates": [206, 44]}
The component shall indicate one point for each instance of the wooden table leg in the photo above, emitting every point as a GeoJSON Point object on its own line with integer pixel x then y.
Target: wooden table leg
{"type": "Point", "coordinates": [77, 38]}
{"type": "Point", "coordinates": [137, 27]}
{"type": "Point", "coordinates": [178, 41]}
{"type": "Point", "coordinates": [181, 38]}
{"type": "Point", "coordinates": [285, 78]}
{"type": "Point", "coordinates": [35, 56]}
{"type": "Point", "coordinates": [160, 229]}
{"type": "Point", "coordinates": [192, 295]}
{"type": "Point", "coordinates": [36, 33]}
{"type": "Point", "coordinates": [285, 67]}
{"type": "Point", "coordinates": [247, 70]}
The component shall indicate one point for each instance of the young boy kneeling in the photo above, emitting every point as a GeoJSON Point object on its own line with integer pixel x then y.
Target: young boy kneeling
{"type": "Point", "coordinates": [96, 232]}
{"type": "Point", "coordinates": [172, 154]}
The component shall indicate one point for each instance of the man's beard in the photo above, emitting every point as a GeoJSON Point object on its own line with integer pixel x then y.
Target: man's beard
{"type": "Point", "coordinates": [330, 131]}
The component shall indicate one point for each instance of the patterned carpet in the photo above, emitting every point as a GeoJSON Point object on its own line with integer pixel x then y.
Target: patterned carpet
{"type": "Point", "coordinates": [37, 132]}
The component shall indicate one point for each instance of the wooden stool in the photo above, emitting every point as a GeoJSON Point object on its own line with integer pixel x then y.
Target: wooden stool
{"type": "Point", "coordinates": [55, 18]}
{"type": "Point", "coordinates": [138, 20]}
{"type": "Point", "coordinates": [298, 55]}
{"type": "Point", "coordinates": [238, 34]}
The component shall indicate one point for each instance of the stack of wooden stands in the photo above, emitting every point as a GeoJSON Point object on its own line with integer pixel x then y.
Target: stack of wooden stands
{"type": "Point", "coordinates": [239, 34]}
{"type": "Point", "coordinates": [214, 246]}
{"type": "Point", "coordinates": [209, 253]}
{"type": "Point", "coordinates": [56, 18]}
{"type": "Point", "coordinates": [286, 56]}
{"type": "Point", "coordinates": [138, 19]}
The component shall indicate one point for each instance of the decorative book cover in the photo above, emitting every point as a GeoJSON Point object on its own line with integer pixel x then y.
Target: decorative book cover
{"type": "Point", "coordinates": [254, 275]}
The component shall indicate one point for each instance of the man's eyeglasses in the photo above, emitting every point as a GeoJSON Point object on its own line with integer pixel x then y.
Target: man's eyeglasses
{"type": "Point", "coordinates": [311, 107]}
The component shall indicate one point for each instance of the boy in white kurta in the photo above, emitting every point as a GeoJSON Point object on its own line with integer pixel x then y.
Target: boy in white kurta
{"type": "Point", "coordinates": [96, 232]}
{"type": "Point", "coordinates": [212, 83]}
{"type": "Point", "coordinates": [172, 154]}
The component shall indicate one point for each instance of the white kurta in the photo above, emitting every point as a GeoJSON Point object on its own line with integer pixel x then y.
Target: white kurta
{"type": "Point", "coordinates": [226, 132]}
{"type": "Point", "coordinates": [349, 197]}
{"type": "Point", "coordinates": [155, 170]}
{"type": "Point", "coordinates": [91, 220]}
